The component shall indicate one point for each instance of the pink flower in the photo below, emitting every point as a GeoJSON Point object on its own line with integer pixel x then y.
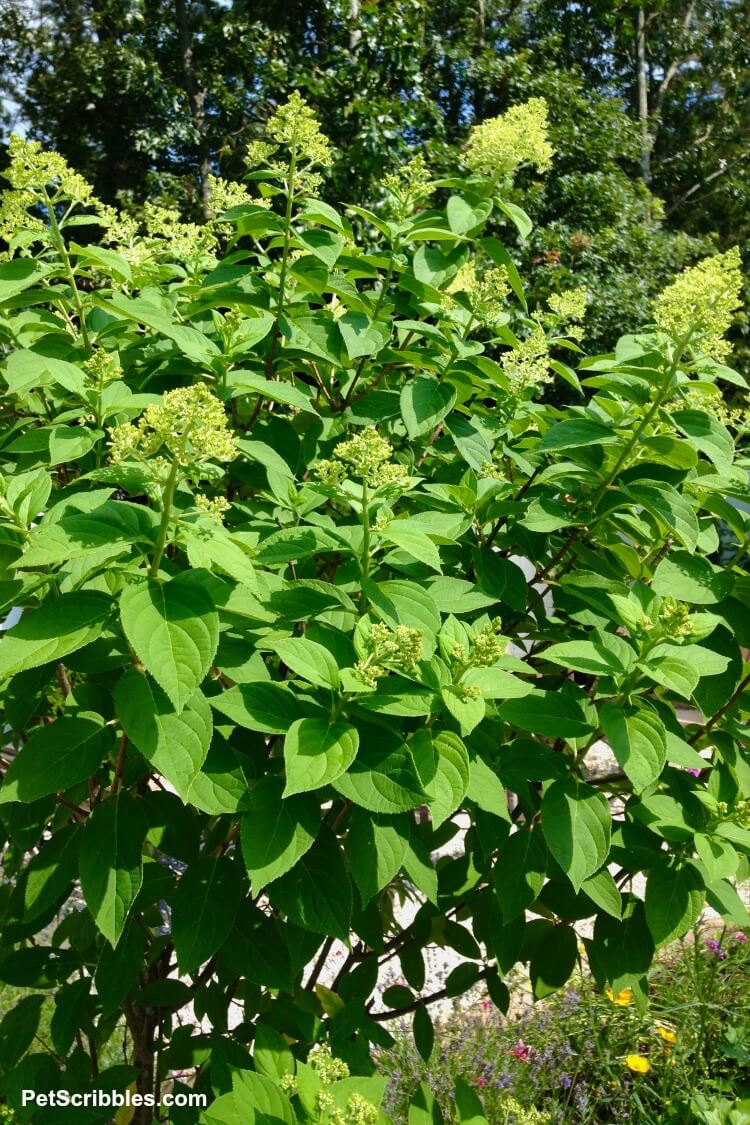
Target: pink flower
{"type": "Point", "coordinates": [481, 1082]}
{"type": "Point", "coordinates": [486, 1003]}
{"type": "Point", "coordinates": [740, 937]}
{"type": "Point", "coordinates": [522, 1051]}
{"type": "Point", "coordinates": [695, 773]}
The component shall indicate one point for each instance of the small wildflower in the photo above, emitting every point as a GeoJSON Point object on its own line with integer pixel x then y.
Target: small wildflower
{"type": "Point", "coordinates": [715, 948]}
{"type": "Point", "coordinates": [500, 146]}
{"type": "Point", "coordinates": [522, 1051]}
{"type": "Point", "coordinates": [481, 1081]}
{"type": "Point", "coordinates": [639, 1064]}
{"type": "Point", "coordinates": [703, 301]}
{"type": "Point", "coordinates": [740, 937]}
{"type": "Point", "coordinates": [623, 999]}
{"type": "Point", "coordinates": [666, 1033]}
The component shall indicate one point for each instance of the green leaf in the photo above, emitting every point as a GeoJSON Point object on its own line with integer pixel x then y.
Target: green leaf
{"type": "Point", "coordinates": [424, 1037]}
{"type": "Point", "coordinates": [310, 660]}
{"type": "Point", "coordinates": [268, 707]}
{"type": "Point", "coordinates": [375, 848]}
{"type": "Point", "coordinates": [259, 1100]}
{"type": "Point", "coordinates": [174, 742]}
{"type": "Point", "coordinates": [520, 872]}
{"type": "Point", "coordinates": [51, 871]}
{"type": "Point", "coordinates": [57, 756]}
{"type": "Point", "coordinates": [675, 893]}
{"type": "Point", "coordinates": [486, 789]}
{"type": "Point", "coordinates": [469, 440]}
{"type": "Point", "coordinates": [707, 435]}
{"type": "Point", "coordinates": [324, 244]}
{"type": "Point", "coordinates": [424, 403]}
{"type": "Point", "coordinates": [609, 656]}
{"type": "Point", "coordinates": [18, 1029]}
{"type": "Point", "coordinates": [111, 867]}
{"type": "Point", "coordinates": [576, 822]}
{"type": "Point", "coordinates": [204, 908]}
{"type": "Point", "coordinates": [275, 833]}
{"type": "Point", "coordinates": [670, 666]}
{"type": "Point", "coordinates": [271, 1054]}
{"type": "Point", "coordinates": [517, 216]}
{"type": "Point", "coordinates": [553, 960]}
{"type": "Point", "coordinates": [60, 626]}
{"type": "Point", "coordinates": [110, 530]}
{"type": "Point", "coordinates": [548, 713]}
{"type": "Point", "coordinates": [317, 892]}
{"type": "Point", "coordinates": [575, 433]}
{"type": "Point", "coordinates": [638, 741]}
{"type": "Point", "coordinates": [316, 752]}
{"type": "Point", "coordinates": [425, 1108]}
{"type": "Point", "coordinates": [691, 578]}
{"type": "Point", "coordinates": [361, 335]}
{"type": "Point", "coordinates": [405, 603]}
{"type": "Point", "coordinates": [384, 777]}
{"type": "Point", "coordinates": [602, 890]}
{"type": "Point", "coordinates": [673, 510]}
{"type": "Point", "coordinates": [467, 710]}
{"type": "Point", "coordinates": [449, 784]}
{"type": "Point", "coordinates": [468, 1105]}
{"type": "Point", "coordinates": [19, 274]}
{"type": "Point", "coordinates": [250, 382]}
{"type": "Point", "coordinates": [174, 628]}
{"type": "Point", "coordinates": [404, 534]}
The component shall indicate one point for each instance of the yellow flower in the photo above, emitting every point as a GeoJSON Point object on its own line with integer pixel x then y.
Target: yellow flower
{"type": "Point", "coordinates": [623, 999]}
{"type": "Point", "coordinates": [667, 1034]}
{"type": "Point", "coordinates": [639, 1064]}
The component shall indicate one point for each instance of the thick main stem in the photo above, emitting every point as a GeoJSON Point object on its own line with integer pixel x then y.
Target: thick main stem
{"type": "Point", "coordinates": [284, 261]}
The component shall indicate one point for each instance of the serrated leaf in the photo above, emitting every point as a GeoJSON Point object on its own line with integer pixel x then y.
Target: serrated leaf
{"type": "Point", "coordinates": [317, 893]}
{"type": "Point", "coordinates": [375, 847]}
{"type": "Point", "coordinates": [449, 784]}
{"type": "Point", "coordinates": [268, 706]}
{"type": "Point", "coordinates": [675, 893]}
{"type": "Point", "coordinates": [55, 757]}
{"type": "Point", "coordinates": [520, 872]}
{"type": "Point", "coordinates": [174, 628]}
{"type": "Point", "coordinates": [111, 866]}
{"type": "Point", "coordinates": [424, 403]}
{"type": "Point", "coordinates": [691, 578]}
{"type": "Point", "coordinates": [638, 741]}
{"type": "Point", "coordinates": [383, 778]}
{"type": "Point", "coordinates": [316, 752]}
{"type": "Point", "coordinates": [576, 822]}
{"type": "Point", "coordinates": [60, 626]}
{"type": "Point", "coordinates": [174, 742]}
{"type": "Point", "coordinates": [204, 908]}
{"type": "Point", "coordinates": [275, 833]}
{"type": "Point", "coordinates": [310, 660]}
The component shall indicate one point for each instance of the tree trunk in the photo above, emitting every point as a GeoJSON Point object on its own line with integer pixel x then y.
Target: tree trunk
{"type": "Point", "coordinates": [640, 50]}
{"type": "Point", "coordinates": [196, 96]}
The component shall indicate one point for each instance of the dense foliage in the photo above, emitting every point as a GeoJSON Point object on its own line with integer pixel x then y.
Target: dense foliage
{"type": "Point", "coordinates": [150, 100]}
{"type": "Point", "coordinates": [313, 586]}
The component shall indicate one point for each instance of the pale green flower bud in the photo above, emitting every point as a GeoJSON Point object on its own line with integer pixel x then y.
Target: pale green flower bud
{"type": "Point", "coordinates": [500, 146]}
{"type": "Point", "coordinates": [702, 302]}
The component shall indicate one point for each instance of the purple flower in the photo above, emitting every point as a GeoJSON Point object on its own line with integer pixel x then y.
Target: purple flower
{"type": "Point", "coordinates": [714, 946]}
{"type": "Point", "coordinates": [565, 1080]}
{"type": "Point", "coordinates": [695, 773]}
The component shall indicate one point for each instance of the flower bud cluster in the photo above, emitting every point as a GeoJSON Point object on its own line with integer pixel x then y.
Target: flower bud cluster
{"type": "Point", "coordinates": [674, 618]}
{"type": "Point", "coordinates": [401, 646]}
{"type": "Point", "coordinates": [365, 456]}
{"type": "Point", "coordinates": [216, 508]}
{"type": "Point", "coordinates": [189, 424]}
{"type": "Point", "coordinates": [411, 183]}
{"type": "Point", "coordinates": [500, 146]}
{"type": "Point", "coordinates": [526, 366]}
{"type": "Point", "coordinates": [487, 292]}
{"type": "Point", "coordinates": [36, 173]}
{"type": "Point", "coordinates": [103, 367]}
{"type": "Point", "coordinates": [295, 126]}
{"type": "Point", "coordinates": [702, 302]}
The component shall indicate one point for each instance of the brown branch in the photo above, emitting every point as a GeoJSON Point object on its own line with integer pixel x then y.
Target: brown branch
{"type": "Point", "coordinates": [381, 1017]}
{"type": "Point", "coordinates": [722, 710]}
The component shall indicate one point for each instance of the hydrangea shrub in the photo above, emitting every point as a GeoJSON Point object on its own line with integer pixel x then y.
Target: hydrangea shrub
{"type": "Point", "coordinates": [323, 609]}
